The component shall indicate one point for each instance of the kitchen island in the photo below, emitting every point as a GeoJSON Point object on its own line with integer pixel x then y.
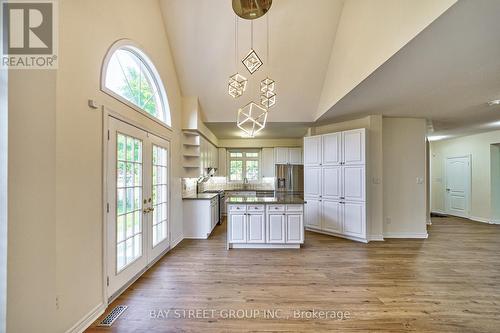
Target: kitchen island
{"type": "Point", "coordinates": [265, 222]}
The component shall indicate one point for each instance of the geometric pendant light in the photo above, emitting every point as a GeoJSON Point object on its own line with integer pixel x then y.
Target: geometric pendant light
{"type": "Point", "coordinates": [252, 119]}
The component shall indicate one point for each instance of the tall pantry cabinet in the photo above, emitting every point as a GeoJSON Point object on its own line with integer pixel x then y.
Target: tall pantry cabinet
{"type": "Point", "coordinates": [335, 184]}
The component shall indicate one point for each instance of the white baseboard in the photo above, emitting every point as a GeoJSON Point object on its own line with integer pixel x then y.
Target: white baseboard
{"type": "Point", "coordinates": [410, 235]}
{"type": "Point", "coordinates": [480, 219]}
{"type": "Point", "coordinates": [495, 221]}
{"type": "Point", "coordinates": [88, 319]}
{"type": "Point", "coordinates": [264, 246]}
{"type": "Point", "coordinates": [176, 241]}
{"type": "Point", "coordinates": [357, 239]}
{"type": "Point", "coordinates": [376, 238]}
{"type": "Point", "coordinates": [438, 211]}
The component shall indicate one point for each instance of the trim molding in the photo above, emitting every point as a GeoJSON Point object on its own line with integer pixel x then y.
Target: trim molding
{"type": "Point", "coordinates": [357, 239]}
{"type": "Point", "coordinates": [377, 238]}
{"type": "Point", "coordinates": [88, 319]}
{"type": "Point", "coordinates": [497, 221]}
{"type": "Point", "coordinates": [415, 235]}
{"type": "Point", "coordinates": [176, 241]}
{"type": "Point", "coordinates": [438, 211]}
{"type": "Point", "coordinates": [480, 219]}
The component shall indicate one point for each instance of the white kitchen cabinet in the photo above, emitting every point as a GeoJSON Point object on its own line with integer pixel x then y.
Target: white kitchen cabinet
{"type": "Point", "coordinates": [331, 181]}
{"type": "Point", "coordinates": [267, 162]}
{"type": "Point", "coordinates": [294, 228]}
{"type": "Point", "coordinates": [335, 184]}
{"type": "Point", "coordinates": [222, 165]}
{"type": "Point", "coordinates": [331, 148]}
{"type": "Point", "coordinates": [331, 216]}
{"type": "Point", "coordinates": [276, 228]}
{"type": "Point", "coordinates": [200, 216]}
{"type": "Point", "coordinates": [284, 155]}
{"type": "Point", "coordinates": [312, 182]}
{"type": "Point", "coordinates": [295, 156]}
{"type": "Point", "coordinates": [312, 213]}
{"type": "Point", "coordinates": [354, 183]}
{"type": "Point", "coordinates": [354, 216]}
{"type": "Point", "coordinates": [281, 155]}
{"type": "Point", "coordinates": [312, 150]}
{"type": "Point", "coordinates": [214, 212]}
{"type": "Point", "coordinates": [265, 225]}
{"type": "Point", "coordinates": [237, 227]}
{"type": "Point", "coordinates": [353, 143]}
{"type": "Point", "coordinates": [256, 226]}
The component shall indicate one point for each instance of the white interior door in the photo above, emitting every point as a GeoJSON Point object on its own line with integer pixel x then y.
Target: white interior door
{"type": "Point", "coordinates": [457, 191]}
{"type": "Point", "coordinates": [137, 199]}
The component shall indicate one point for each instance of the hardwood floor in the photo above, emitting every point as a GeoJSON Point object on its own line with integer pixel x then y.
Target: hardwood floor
{"type": "Point", "coordinates": [447, 283]}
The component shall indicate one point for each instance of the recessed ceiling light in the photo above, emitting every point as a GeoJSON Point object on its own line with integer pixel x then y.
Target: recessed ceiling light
{"type": "Point", "coordinates": [494, 102]}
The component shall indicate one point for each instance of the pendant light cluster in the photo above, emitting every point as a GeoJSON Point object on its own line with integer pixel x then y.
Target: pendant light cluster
{"type": "Point", "coordinates": [252, 117]}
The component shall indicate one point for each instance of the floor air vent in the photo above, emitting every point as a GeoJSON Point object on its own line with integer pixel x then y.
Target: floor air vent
{"type": "Point", "coordinates": [113, 315]}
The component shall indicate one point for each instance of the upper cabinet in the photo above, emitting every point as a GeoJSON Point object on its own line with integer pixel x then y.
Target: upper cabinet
{"type": "Point", "coordinates": [222, 168]}
{"type": "Point", "coordinates": [331, 148]}
{"type": "Point", "coordinates": [342, 148]}
{"type": "Point", "coordinates": [312, 150]}
{"type": "Point", "coordinates": [267, 162]}
{"type": "Point", "coordinates": [283, 155]}
{"type": "Point", "coordinates": [353, 147]}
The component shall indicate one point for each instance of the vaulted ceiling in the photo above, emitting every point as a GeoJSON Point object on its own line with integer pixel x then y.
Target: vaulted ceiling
{"type": "Point", "coordinates": [202, 38]}
{"type": "Point", "coordinates": [333, 62]}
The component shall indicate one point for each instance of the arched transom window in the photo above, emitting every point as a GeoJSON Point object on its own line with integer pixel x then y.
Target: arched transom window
{"type": "Point", "coordinates": [130, 76]}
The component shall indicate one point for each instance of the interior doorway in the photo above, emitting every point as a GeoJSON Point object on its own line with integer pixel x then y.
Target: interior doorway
{"type": "Point", "coordinates": [138, 203]}
{"type": "Point", "coordinates": [457, 185]}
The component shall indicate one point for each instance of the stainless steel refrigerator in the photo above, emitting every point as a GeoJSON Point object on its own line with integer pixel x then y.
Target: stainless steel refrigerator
{"type": "Point", "coordinates": [290, 178]}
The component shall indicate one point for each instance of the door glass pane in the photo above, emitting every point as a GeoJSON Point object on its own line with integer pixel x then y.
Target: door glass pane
{"type": "Point", "coordinates": [236, 170]}
{"type": "Point", "coordinates": [160, 193]}
{"type": "Point", "coordinates": [128, 200]}
{"type": "Point", "coordinates": [252, 168]}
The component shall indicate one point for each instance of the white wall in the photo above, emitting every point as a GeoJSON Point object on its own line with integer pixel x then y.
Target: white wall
{"type": "Point", "coordinates": [495, 183]}
{"type": "Point", "coordinates": [373, 124]}
{"type": "Point", "coordinates": [31, 270]}
{"type": "Point", "coordinates": [3, 188]}
{"type": "Point", "coordinates": [260, 143]}
{"type": "Point", "coordinates": [404, 150]}
{"type": "Point", "coordinates": [55, 161]}
{"type": "Point", "coordinates": [368, 34]}
{"type": "Point", "coordinates": [478, 146]}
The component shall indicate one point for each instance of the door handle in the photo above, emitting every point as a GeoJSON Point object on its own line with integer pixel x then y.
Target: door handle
{"type": "Point", "coordinates": [447, 190]}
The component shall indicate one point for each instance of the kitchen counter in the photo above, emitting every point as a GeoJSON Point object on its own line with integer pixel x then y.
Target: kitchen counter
{"type": "Point", "coordinates": [277, 199]}
{"type": "Point", "coordinates": [201, 196]}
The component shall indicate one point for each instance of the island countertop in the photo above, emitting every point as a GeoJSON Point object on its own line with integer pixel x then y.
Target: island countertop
{"type": "Point", "coordinates": [278, 199]}
{"type": "Point", "coordinates": [201, 196]}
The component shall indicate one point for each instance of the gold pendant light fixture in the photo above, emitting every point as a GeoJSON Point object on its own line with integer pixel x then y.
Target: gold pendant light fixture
{"type": "Point", "coordinates": [251, 9]}
{"type": "Point", "coordinates": [252, 118]}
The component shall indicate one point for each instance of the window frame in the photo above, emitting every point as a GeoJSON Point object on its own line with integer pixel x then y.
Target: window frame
{"type": "Point", "coordinates": [146, 60]}
{"type": "Point", "coordinates": [244, 159]}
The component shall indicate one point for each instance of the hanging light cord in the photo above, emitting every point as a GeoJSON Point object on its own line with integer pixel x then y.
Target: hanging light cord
{"type": "Point", "coordinates": [236, 42]}
{"type": "Point", "coordinates": [267, 22]}
{"type": "Point", "coordinates": [251, 34]}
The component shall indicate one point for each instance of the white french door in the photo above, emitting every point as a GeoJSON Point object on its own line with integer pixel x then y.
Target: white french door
{"type": "Point", "coordinates": [138, 201]}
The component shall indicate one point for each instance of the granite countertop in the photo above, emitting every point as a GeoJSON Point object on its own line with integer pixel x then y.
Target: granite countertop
{"type": "Point", "coordinates": [201, 196]}
{"type": "Point", "coordinates": [279, 199]}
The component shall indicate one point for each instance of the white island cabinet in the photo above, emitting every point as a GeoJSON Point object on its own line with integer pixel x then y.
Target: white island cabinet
{"type": "Point", "coordinates": [264, 225]}
{"type": "Point", "coordinates": [200, 215]}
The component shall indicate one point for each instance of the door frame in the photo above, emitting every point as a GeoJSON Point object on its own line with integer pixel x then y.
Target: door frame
{"type": "Point", "coordinates": [106, 113]}
{"type": "Point", "coordinates": [468, 183]}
